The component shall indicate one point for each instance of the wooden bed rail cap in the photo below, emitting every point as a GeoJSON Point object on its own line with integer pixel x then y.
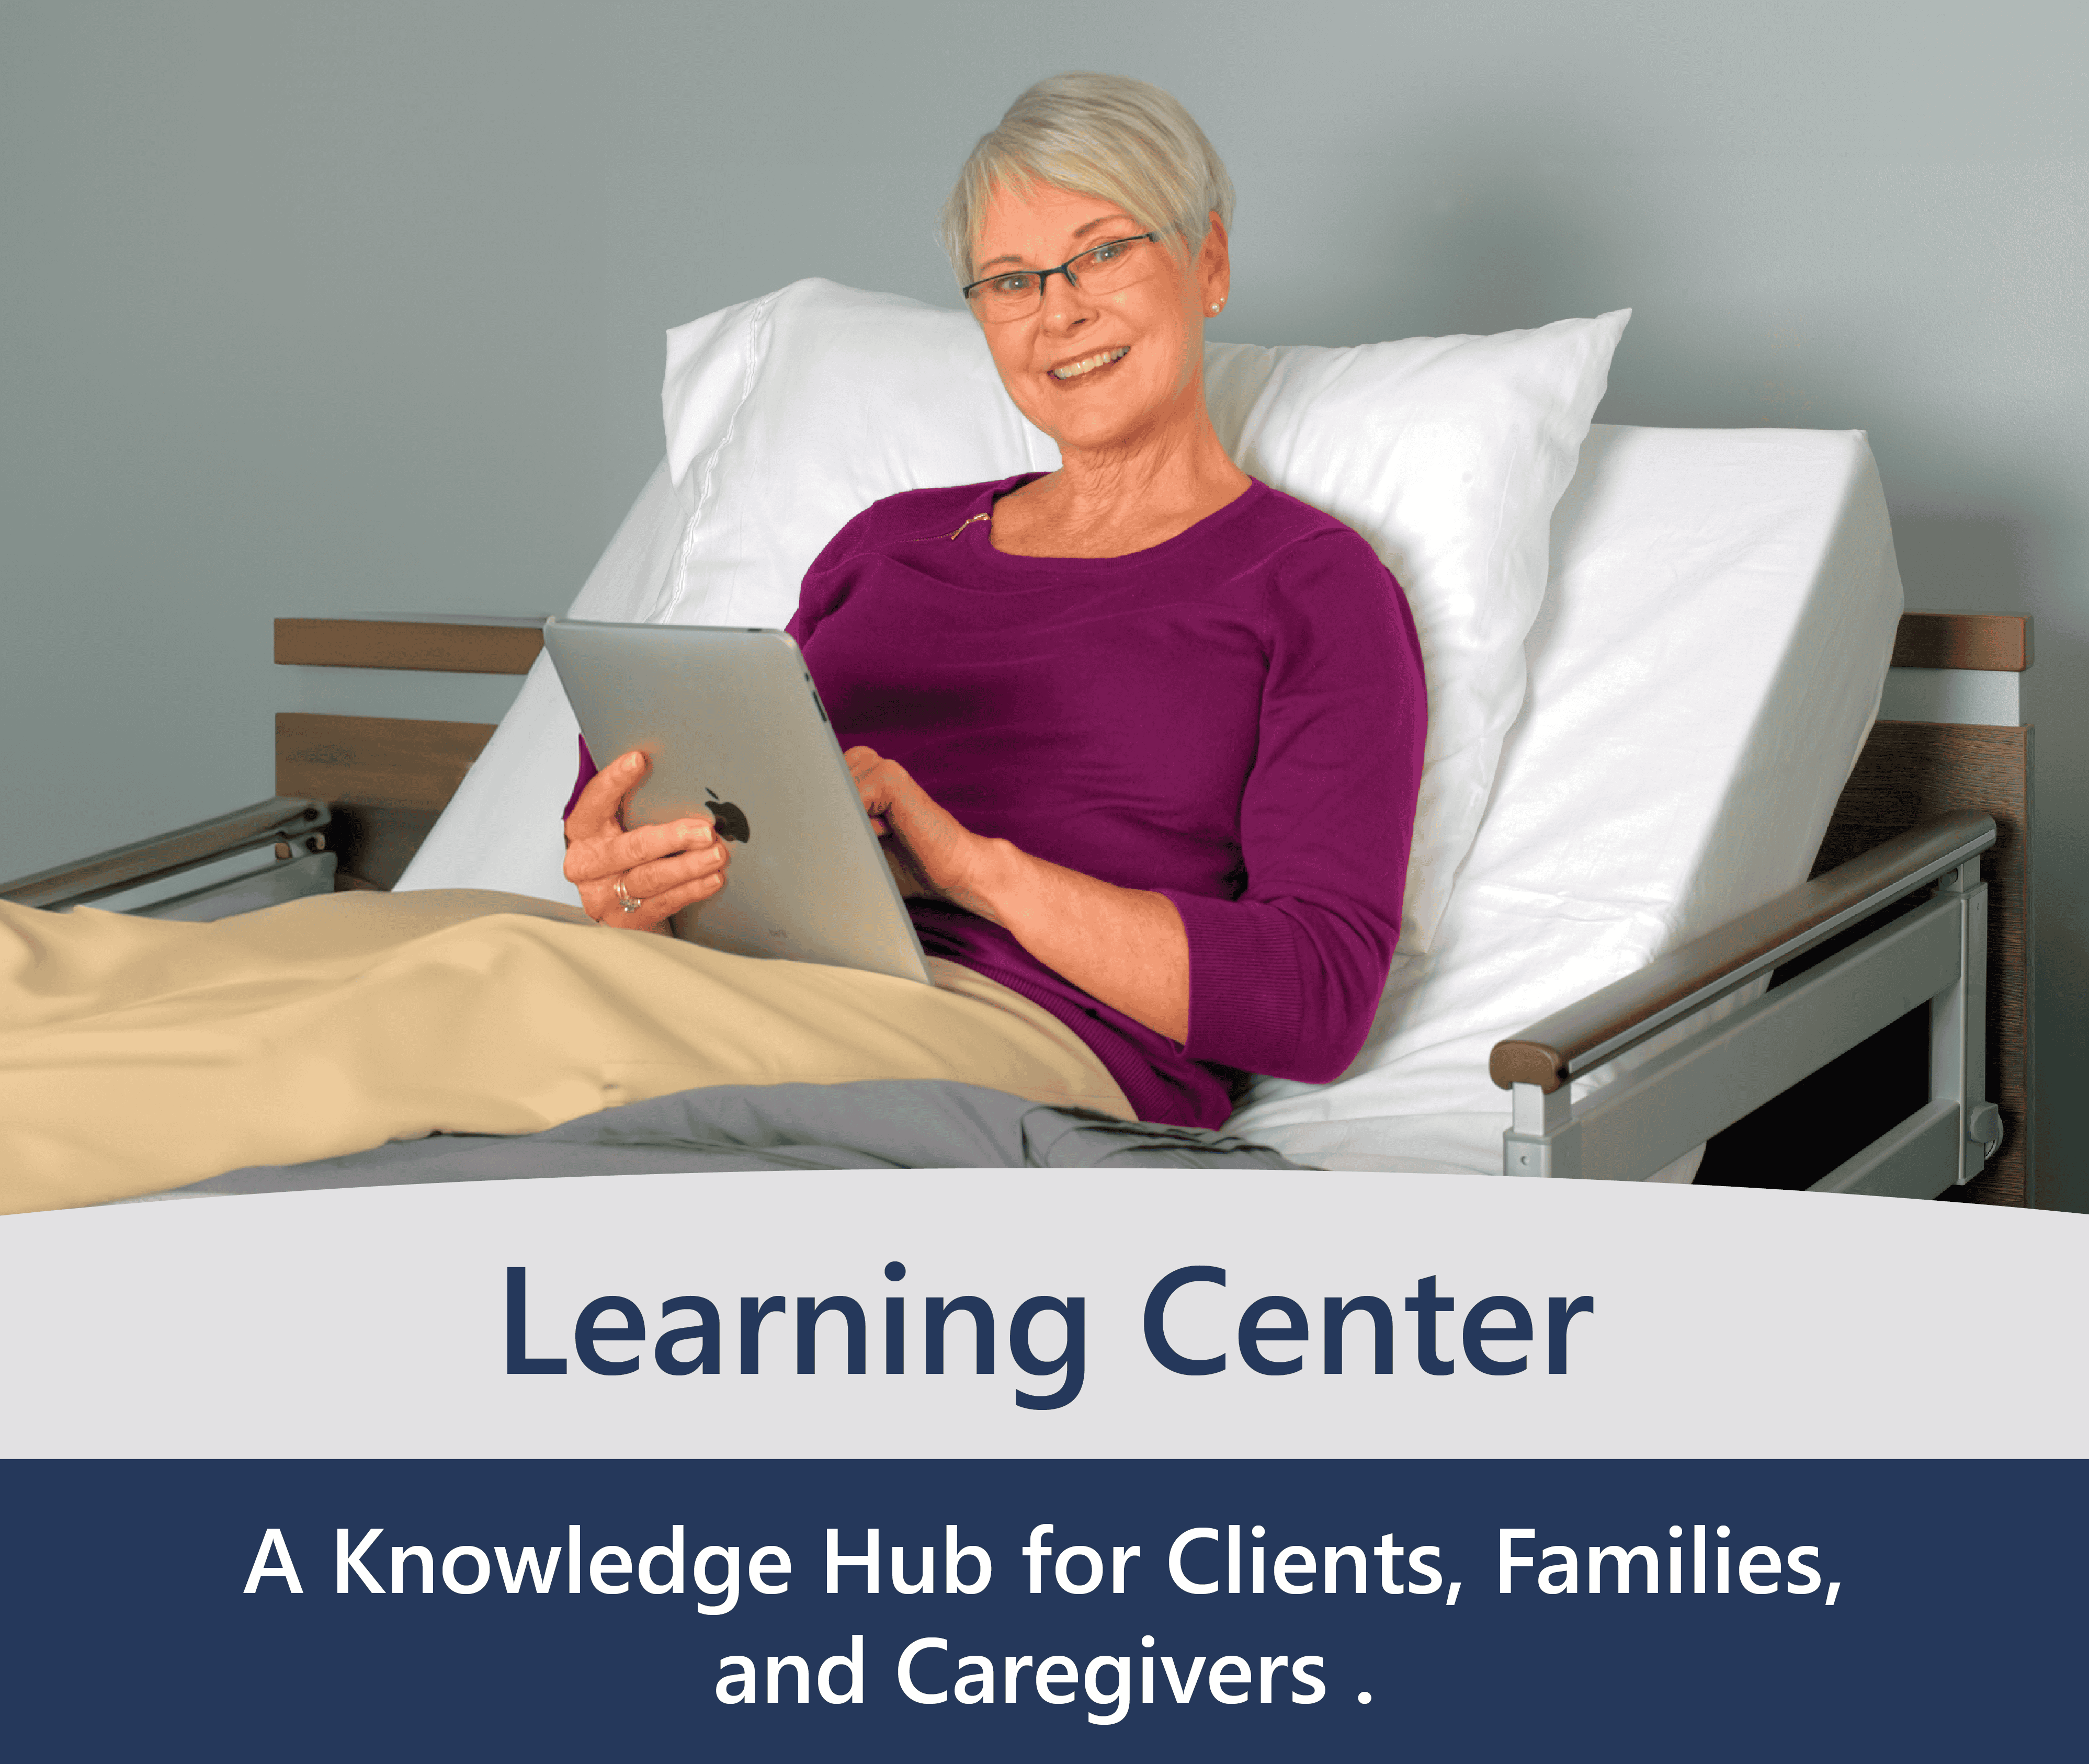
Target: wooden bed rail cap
{"type": "Point", "coordinates": [451, 643]}
{"type": "Point", "coordinates": [1629, 1009]}
{"type": "Point", "coordinates": [1998, 642]}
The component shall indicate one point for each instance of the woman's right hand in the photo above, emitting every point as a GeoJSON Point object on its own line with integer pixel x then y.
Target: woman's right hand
{"type": "Point", "coordinates": [662, 868]}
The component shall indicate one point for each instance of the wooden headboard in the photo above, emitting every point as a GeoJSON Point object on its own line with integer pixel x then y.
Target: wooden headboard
{"type": "Point", "coordinates": [386, 778]}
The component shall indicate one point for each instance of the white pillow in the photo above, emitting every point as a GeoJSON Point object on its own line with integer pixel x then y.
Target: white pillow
{"type": "Point", "coordinates": [789, 414]}
{"type": "Point", "coordinates": [1448, 454]}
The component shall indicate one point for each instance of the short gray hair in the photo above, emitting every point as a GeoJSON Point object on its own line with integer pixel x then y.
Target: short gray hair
{"type": "Point", "coordinates": [1095, 134]}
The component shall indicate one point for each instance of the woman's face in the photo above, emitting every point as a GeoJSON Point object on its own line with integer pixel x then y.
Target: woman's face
{"type": "Point", "coordinates": [1098, 370]}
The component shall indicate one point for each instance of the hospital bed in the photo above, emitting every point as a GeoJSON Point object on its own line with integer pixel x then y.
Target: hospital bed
{"type": "Point", "coordinates": [1632, 964]}
{"type": "Point", "coordinates": [1910, 829]}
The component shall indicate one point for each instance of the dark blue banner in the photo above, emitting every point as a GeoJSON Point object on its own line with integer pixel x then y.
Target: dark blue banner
{"type": "Point", "coordinates": [1265, 1609]}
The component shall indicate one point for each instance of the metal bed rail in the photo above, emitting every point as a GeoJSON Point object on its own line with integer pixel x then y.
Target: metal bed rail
{"type": "Point", "coordinates": [1719, 1067]}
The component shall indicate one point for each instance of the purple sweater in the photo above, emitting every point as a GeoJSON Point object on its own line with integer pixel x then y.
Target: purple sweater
{"type": "Point", "coordinates": [1234, 718]}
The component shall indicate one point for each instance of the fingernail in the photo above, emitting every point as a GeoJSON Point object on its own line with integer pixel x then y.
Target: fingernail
{"type": "Point", "coordinates": [703, 833]}
{"type": "Point", "coordinates": [633, 762]}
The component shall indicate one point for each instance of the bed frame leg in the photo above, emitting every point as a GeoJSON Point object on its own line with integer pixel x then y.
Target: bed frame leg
{"type": "Point", "coordinates": [1542, 1140]}
{"type": "Point", "coordinates": [1957, 1030]}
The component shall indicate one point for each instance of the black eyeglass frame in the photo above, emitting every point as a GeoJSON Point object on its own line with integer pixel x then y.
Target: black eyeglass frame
{"type": "Point", "coordinates": [1065, 270]}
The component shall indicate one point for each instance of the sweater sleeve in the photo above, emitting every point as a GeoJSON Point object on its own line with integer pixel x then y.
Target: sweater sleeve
{"type": "Point", "coordinates": [1286, 979]}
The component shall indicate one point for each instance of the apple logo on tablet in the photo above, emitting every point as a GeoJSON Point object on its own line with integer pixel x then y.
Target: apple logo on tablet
{"type": "Point", "coordinates": [729, 819]}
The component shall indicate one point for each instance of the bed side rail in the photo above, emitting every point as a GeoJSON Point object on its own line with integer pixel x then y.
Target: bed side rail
{"type": "Point", "coordinates": [1677, 1099]}
{"type": "Point", "coordinates": [284, 830]}
{"type": "Point", "coordinates": [1693, 975]}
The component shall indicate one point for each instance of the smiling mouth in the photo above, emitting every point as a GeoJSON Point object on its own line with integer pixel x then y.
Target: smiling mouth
{"type": "Point", "coordinates": [1088, 364]}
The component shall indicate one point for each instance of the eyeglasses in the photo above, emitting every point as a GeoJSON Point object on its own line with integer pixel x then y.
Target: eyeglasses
{"type": "Point", "coordinates": [1016, 294]}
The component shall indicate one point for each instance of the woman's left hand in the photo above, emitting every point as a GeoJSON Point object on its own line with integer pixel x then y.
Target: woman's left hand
{"type": "Point", "coordinates": [949, 861]}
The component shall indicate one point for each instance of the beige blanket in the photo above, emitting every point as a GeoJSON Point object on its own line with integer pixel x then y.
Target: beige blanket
{"type": "Point", "coordinates": [137, 1054]}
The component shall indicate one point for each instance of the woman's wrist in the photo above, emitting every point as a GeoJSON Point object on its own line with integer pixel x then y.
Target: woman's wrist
{"type": "Point", "coordinates": [997, 879]}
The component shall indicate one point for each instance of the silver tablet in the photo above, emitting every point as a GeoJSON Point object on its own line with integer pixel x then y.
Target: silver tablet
{"type": "Point", "coordinates": [737, 734]}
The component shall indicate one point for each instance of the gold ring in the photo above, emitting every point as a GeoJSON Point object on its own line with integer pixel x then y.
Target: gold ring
{"type": "Point", "coordinates": [624, 900]}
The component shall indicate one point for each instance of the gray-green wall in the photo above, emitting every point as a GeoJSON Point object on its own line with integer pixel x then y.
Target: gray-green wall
{"type": "Point", "coordinates": [321, 308]}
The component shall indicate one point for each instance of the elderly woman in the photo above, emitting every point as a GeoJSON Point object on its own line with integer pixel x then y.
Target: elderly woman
{"type": "Point", "coordinates": [1147, 733]}
{"type": "Point", "coordinates": [1152, 731]}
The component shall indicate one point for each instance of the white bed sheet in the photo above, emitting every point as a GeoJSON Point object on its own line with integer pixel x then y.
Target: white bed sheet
{"type": "Point", "coordinates": [1704, 670]}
